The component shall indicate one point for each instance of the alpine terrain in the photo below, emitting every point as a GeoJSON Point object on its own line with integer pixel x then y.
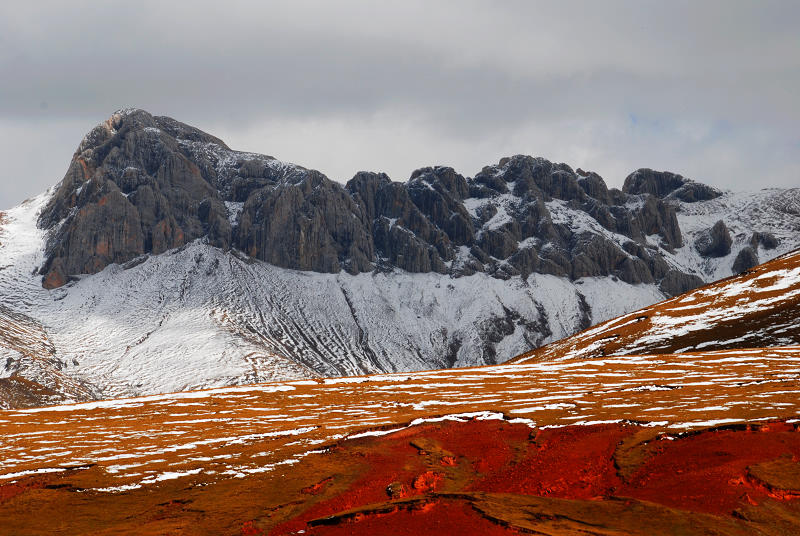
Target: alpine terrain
{"type": "Point", "coordinates": [164, 261]}
{"type": "Point", "coordinates": [578, 438]}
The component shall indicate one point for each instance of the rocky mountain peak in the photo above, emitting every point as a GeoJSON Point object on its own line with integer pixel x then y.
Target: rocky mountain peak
{"type": "Point", "coordinates": [142, 184]}
{"type": "Point", "coordinates": [130, 189]}
{"type": "Point", "coordinates": [666, 185]}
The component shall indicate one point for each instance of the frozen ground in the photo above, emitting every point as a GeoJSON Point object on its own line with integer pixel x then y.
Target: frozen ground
{"type": "Point", "coordinates": [237, 431]}
{"type": "Point", "coordinates": [199, 317]}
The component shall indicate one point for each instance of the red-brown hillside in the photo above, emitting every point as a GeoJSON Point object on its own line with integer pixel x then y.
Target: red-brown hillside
{"type": "Point", "coordinates": [759, 308]}
{"type": "Point", "coordinates": [23, 338]}
{"type": "Point", "coordinates": [683, 444]}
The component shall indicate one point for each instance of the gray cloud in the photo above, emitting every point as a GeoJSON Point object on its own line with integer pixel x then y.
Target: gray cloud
{"type": "Point", "coordinates": [706, 89]}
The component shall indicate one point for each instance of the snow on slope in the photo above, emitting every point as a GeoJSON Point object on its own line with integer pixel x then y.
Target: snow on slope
{"type": "Point", "coordinates": [200, 317]}
{"type": "Point", "coordinates": [773, 210]}
{"type": "Point", "coordinates": [758, 308]}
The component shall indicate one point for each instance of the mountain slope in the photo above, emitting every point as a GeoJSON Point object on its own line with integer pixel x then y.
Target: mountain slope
{"type": "Point", "coordinates": [759, 308]}
{"type": "Point", "coordinates": [199, 317]}
{"type": "Point", "coordinates": [144, 184]}
{"type": "Point", "coordinates": [166, 261]}
{"type": "Point", "coordinates": [575, 439]}
{"type": "Point", "coordinates": [678, 391]}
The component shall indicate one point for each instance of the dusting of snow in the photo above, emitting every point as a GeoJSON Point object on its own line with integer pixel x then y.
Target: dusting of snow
{"type": "Point", "coordinates": [155, 439]}
{"type": "Point", "coordinates": [234, 211]}
{"type": "Point", "coordinates": [198, 317]}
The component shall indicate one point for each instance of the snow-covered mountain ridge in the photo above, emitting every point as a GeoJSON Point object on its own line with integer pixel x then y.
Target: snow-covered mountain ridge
{"type": "Point", "coordinates": [194, 282]}
{"type": "Point", "coordinates": [756, 309]}
{"type": "Point", "coordinates": [140, 184]}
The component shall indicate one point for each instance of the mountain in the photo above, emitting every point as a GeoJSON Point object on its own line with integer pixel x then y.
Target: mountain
{"type": "Point", "coordinates": [759, 308]}
{"type": "Point", "coordinates": [165, 261]}
{"type": "Point", "coordinates": [681, 417]}
{"type": "Point", "coordinates": [140, 184]}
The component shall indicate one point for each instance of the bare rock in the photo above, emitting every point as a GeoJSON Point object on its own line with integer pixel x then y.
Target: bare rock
{"type": "Point", "coordinates": [313, 225]}
{"type": "Point", "coordinates": [676, 282]}
{"type": "Point", "coordinates": [594, 186]}
{"type": "Point", "coordinates": [438, 193]}
{"type": "Point", "coordinates": [499, 243]}
{"type": "Point", "coordinates": [746, 259]}
{"type": "Point", "coordinates": [364, 188]}
{"type": "Point", "coordinates": [664, 184]}
{"type": "Point", "coordinates": [657, 217]}
{"type": "Point", "coordinates": [714, 242]}
{"type": "Point", "coordinates": [129, 190]}
{"type": "Point", "coordinates": [763, 239]}
{"type": "Point", "coordinates": [594, 255]}
{"type": "Point", "coordinates": [140, 184]}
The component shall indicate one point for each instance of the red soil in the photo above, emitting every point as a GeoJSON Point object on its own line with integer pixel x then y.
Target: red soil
{"type": "Point", "coordinates": [445, 469]}
{"type": "Point", "coordinates": [398, 458]}
{"type": "Point", "coordinates": [426, 482]}
{"type": "Point", "coordinates": [708, 471]}
{"type": "Point", "coordinates": [575, 462]}
{"type": "Point", "coordinates": [436, 518]}
{"type": "Point", "coordinates": [249, 529]}
{"type": "Point", "coordinates": [11, 490]}
{"type": "Point", "coordinates": [316, 489]}
{"type": "Point", "coordinates": [454, 477]}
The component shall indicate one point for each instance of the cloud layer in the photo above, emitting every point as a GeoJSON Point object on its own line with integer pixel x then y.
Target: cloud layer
{"type": "Point", "coordinates": [705, 89]}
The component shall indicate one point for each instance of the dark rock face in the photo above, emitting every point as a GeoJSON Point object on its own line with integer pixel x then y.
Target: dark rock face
{"type": "Point", "coordinates": [676, 282]}
{"type": "Point", "coordinates": [664, 184]}
{"type": "Point", "coordinates": [403, 236]}
{"type": "Point", "coordinates": [715, 242]}
{"type": "Point", "coordinates": [141, 184]}
{"type": "Point", "coordinates": [746, 259]}
{"type": "Point", "coordinates": [656, 217]}
{"type": "Point", "coordinates": [130, 189]}
{"type": "Point", "coordinates": [765, 240]}
{"type": "Point", "coordinates": [312, 225]}
{"type": "Point", "coordinates": [594, 186]}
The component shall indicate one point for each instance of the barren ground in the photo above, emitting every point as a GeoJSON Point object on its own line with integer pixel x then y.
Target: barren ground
{"type": "Point", "coordinates": [547, 447]}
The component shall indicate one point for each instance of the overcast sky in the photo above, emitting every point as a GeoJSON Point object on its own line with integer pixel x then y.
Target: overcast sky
{"type": "Point", "coordinates": [706, 89]}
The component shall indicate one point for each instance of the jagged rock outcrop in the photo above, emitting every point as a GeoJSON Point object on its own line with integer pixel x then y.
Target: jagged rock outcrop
{"type": "Point", "coordinates": [676, 282]}
{"type": "Point", "coordinates": [657, 218]}
{"type": "Point", "coordinates": [745, 259]}
{"type": "Point", "coordinates": [130, 189]}
{"type": "Point", "coordinates": [141, 184]}
{"type": "Point", "coordinates": [666, 185]}
{"type": "Point", "coordinates": [714, 242]}
{"type": "Point", "coordinates": [311, 225]}
{"type": "Point", "coordinates": [763, 239]}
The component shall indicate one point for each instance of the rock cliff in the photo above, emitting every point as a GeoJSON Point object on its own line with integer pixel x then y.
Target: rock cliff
{"type": "Point", "coordinates": [141, 184]}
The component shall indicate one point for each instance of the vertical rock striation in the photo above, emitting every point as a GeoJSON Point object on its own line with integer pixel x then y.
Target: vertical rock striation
{"type": "Point", "coordinates": [141, 184]}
